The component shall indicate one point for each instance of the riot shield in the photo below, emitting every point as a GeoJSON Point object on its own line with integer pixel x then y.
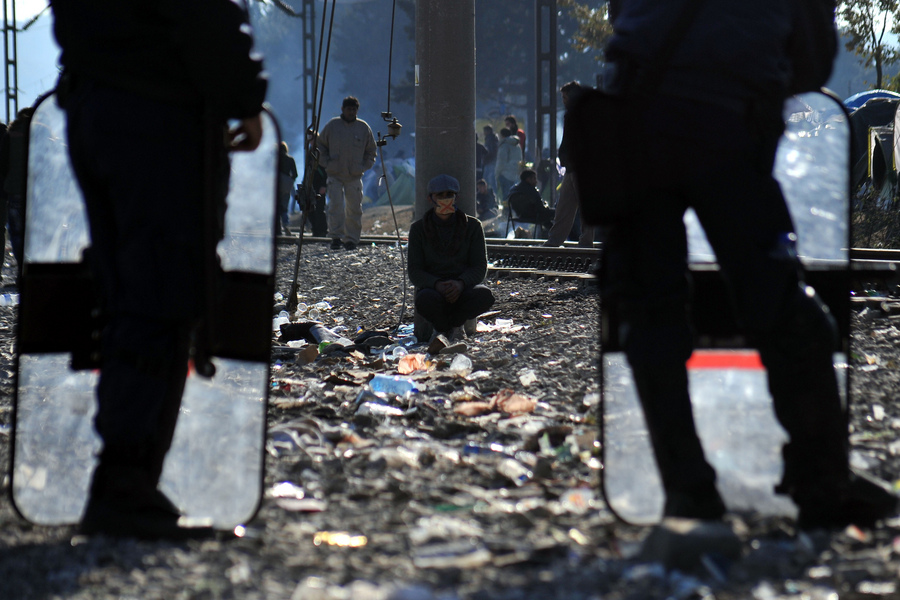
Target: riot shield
{"type": "Point", "coordinates": [214, 469]}
{"type": "Point", "coordinates": [731, 403]}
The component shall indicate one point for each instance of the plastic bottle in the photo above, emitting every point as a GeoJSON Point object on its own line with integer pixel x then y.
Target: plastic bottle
{"type": "Point", "coordinates": [514, 471]}
{"type": "Point", "coordinates": [282, 319]}
{"type": "Point", "coordinates": [387, 385]}
{"type": "Point", "coordinates": [9, 299]}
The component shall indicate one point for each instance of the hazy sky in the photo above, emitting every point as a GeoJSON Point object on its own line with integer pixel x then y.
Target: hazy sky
{"type": "Point", "coordinates": [37, 52]}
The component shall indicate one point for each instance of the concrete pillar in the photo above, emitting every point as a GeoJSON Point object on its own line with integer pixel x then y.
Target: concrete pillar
{"type": "Point", "coordinates": [445, 98]}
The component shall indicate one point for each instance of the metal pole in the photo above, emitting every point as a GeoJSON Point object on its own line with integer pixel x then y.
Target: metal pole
{"type": "Point", "coordinates": [445, 98]}
{"type": "Point", "coordinates": [11, 59]}
{"type": "Point", "coordinates": [546, 95]}
{"type": "Point", "coordinates": [308, 16]}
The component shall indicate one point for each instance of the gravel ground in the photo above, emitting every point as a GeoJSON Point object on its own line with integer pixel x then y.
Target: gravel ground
{"type": "Point", "coordinates": [429, 511]}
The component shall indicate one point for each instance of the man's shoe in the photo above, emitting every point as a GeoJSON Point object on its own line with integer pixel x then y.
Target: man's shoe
{"type": "Point", "coordinates": [350, 246]}
{"type": "Point", "coordinates": [863, 501]}
{"type": "Point", "coordinates": [706, 506]}
{"type": "Point", "coordinates": [437, 342]}
{"type": "Point", "coordinates": [152, 518]}
{"type": "Point", "coordinates": [336, 244]}
{"type": "Point", "coordinates": [454, 348]}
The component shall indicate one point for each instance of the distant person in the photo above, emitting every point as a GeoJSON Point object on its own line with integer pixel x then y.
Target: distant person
{"type": "Point", "coordinates": [347, 149]}
{"type": "Point", "coordinates": [509, 161]}
{"type": "Point", "coordinates": [544, 169]}
{"type": "Point", "coordinates": [513, 126]}
{"type": "Point", "coordinates": [480, 153]}
{"type": "Point", "coordinates": [485, 201]}
{"type": "Point", "coordinates": [567, 206]}
{"type": "Point", "coordinates": [526, 203]}
{"type": "Point", "coordinates": [287, 175]}
{"type": "Point", "coordinates": [491, 144]}
{"type": "Point", "coordinates": [448, 262]}
{"type": "Point", "coordinates": [4, 168]}
{"type": "Point", "coordinates": [314, 206]}
{"type": "Point", "coordinates": [15, 180]}
{"type": "Point", "coordinates": [710, 86]}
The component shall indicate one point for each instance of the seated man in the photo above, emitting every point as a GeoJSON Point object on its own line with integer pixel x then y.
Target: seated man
{"type": "Point", "coordinates": [526, 203]}
{"type": "Point", "coordinates": [485, 201]}
{"type": "Point", "coordinates": [448, 262]}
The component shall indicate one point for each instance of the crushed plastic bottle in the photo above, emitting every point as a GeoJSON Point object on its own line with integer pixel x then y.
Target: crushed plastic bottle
{"type": "Point", "coordinates": [405, 330]}
{"type": "Point", "coordinates": [379, 410]}
{"type": "Point", "coordinates": [282, 319]}
{"type": "Point", "coordinates": [515, 471]}
{"type": "Point", "coordinates": [408, 341]}
{"type": "Point", "coordinates": [9, 299]}
{"type": "Point", "coordinates": [461, 554]}
{"type": "Point", "coordinates": [474, 448]}
{"type": "Point", "coordinates": [388, 385]}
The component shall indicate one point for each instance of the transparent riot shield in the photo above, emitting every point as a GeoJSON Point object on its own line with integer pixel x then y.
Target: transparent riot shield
{"type": "Point", "coordinates": [732, 406]}
{"type": "Point", "coordinates": [214, 469]}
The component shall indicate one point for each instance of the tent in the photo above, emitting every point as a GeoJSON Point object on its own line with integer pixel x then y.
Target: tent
{"type": "Point", "coordinates": [857, 100]}
{"type": "Point", "coordinates": [877, 112]}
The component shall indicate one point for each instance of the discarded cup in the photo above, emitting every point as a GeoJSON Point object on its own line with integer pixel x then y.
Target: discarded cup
{"type": "Point", "coordinates": [461, 364]}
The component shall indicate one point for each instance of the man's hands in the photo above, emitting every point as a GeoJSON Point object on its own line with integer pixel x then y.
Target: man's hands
{"type": "Point", "coordinates": [450, 289]}
{"type": "Point", "coordinates": [246, 136]}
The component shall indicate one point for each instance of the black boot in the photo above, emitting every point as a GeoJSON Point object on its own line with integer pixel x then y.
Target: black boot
{"type": "Point", "coordinates": [125, 502]}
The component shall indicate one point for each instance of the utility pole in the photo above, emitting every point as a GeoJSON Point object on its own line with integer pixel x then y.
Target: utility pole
{"type": "Point", "coordinates": [445, 98]}
{"type": "Point", "coordinates": [308, 50]}
{"type": "Point", "coordinates": [545, 28]}
{"type": "Point", "coordinates": [11, 58]}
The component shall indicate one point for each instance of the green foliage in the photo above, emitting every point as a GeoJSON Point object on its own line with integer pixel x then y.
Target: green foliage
{"type": "Point", "coordinates": [866, 24]}
{"type": "Point", "coordinates": [892, 83]}
{"type": "Point", "coordinates": [594, 27]}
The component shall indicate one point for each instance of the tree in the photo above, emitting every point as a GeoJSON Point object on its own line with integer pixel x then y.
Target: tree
{"type": "Point", "coordinates": [866, 24]}
{"type": "Point", "coordinates": [505, 54]}
{"type": "Point", "coordinates": [594, 28]}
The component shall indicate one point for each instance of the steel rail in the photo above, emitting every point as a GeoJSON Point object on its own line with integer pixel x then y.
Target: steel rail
{"type": "Point", "coordinates": [528, 257]}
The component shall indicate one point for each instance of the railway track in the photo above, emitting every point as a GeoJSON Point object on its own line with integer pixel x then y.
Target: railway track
{"type": "Point", "coordinates": [528, 257]}
{"type": "Point", "coordinates": [509, 257]}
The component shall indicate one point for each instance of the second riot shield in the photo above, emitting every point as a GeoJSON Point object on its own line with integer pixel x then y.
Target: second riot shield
{"type": "Point", "coordinates": [214, 469]}
{"type": "Point", "coordinates": [732, 407]}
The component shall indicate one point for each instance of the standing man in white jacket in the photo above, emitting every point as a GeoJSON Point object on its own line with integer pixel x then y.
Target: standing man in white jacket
{"type": "Point", "coordinates": [347, 150]}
